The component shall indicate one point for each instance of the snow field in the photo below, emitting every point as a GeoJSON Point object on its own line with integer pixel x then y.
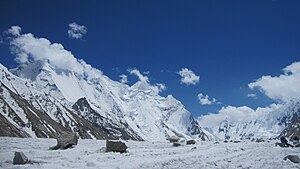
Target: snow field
{"type": "Point", "coordinates": [91, 154]}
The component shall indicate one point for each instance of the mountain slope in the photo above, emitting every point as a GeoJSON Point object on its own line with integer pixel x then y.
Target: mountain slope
{"type": "Point", "coordinates": [90, 104]}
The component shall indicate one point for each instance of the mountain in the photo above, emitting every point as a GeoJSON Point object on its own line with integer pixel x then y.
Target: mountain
{"type": "Point", "coordinates": [38, 99]}
{"type": "Point", "coordinates": [284, 121]}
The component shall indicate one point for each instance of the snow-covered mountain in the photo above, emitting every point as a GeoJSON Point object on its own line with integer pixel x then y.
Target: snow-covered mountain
{"type": "Point", "coordinates": [282, 121]}
{"type": "Point", "coordinates": [38, 99]}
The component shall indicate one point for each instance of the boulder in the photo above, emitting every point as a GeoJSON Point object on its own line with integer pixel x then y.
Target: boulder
{"type": "Point", "coordinates": [176, 144]}
{"type": "Point", "coordinates": [20, 158]}
{"type": "Point", "coordinates": [280, 144]}
{"type": "Point", "coordinates": [236, 141]}
{"type": "Point", "coordinates": [293, 158]}
{"type": "Point", "coordinates": [259, 140]}
{"type": "Point", "coordinates": [115, 146]}
{"type": "Point", "coordinates": [65, 139]}
{"type": "Point", "coordinates": [295, 141]}
{"type": "Point", "coordinates": [173, 139]}
{"type": "Point", "coordinates": [190, 142]}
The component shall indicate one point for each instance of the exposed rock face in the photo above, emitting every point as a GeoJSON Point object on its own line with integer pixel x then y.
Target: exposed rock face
{"type": "Point", "coordinates": [115, 146]}
{"type": "Point", "coordinates": [65, 140]}
{"type": "Point", "coordinates": [293, 129]}
{"type": "Point", "coordinates": [293, 158]}
{"type": "Point", "coordinates": [20, 158]}
{"type": "Point", "coordinates": [190, 142]}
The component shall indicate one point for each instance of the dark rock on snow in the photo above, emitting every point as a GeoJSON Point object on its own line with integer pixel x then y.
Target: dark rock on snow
{"type": "Point", "coordinates": [65, 139]}
{"type": "Point", "coordinates": [190, 142]}
{"type": "Point", "coordinates": [20, 158]}
{"type": "Point", "coordinates": [173, 139]}
{"type": "Point", "coordinates": [280, 144]}
{"type": "Point", "coordinates": [115, 146]}
{"type": "Point", "coordinates": [176, 144]}
{"type": "Point", "coordinates": [260, 140]}
{"type": "Point", "coordinates": [293, 158]}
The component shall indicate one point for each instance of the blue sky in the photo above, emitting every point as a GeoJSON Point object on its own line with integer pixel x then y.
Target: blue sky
{"type": "Point", "coordinates": [229, 44]}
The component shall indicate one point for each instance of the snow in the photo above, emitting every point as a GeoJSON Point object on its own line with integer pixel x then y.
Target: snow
{"type": "Point", "coordinates": [269, 124]}
{"type": "Point", "coordinates": [91, 154]}
{"type": "Point", "coordinates": [68, 85]}
{"type": "Point", "coordinates": [148, 114]}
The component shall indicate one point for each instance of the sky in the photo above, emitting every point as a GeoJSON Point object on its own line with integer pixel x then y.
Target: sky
{"type": "Point", "coordinates": [210, 54]}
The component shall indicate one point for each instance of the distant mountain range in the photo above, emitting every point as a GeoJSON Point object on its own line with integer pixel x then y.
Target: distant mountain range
{"type": "Point", "coordinates": [40, 100]}
{"type": "Point", "coordinates": [284, 121]}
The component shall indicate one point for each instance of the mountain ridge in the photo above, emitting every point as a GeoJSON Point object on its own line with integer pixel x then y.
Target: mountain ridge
{"type": "Point", "coordinates": [110, 108]}
{"type": "Point", "coordinates": [283, 121]}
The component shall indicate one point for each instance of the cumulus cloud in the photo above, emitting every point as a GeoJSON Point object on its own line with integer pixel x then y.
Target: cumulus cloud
{"type": "Point", "coordinates": [205, 100]}
{"type": "Point", "coordinates": [27, 47]}
{"type": "Point", "coordinates": [76, 31]}
{"type": "Point", "coordinates": [161, 87]}
{"type": "Point", "coordinates": [136, 72]}
{"type": "Point", "coordinates": [123, 79]}
{"type": "Point", "coordinates": [144, 82]}
{"type": "Point", "coordinates": [14, 30]}
{"type": "Point", "coordinates": [235, 114]}
{"type": "Point", "coordinates": [188, 77]}
{"type": "Point", "coordinates": [283, 87]}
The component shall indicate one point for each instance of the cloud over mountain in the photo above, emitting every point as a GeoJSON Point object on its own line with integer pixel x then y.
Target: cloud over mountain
{"type": "Point", "coordinates": [236, 114]}
{"type": "Point", "coordinates": [27, 47]}
{"type": "Point", "coordinates": [283, 87]}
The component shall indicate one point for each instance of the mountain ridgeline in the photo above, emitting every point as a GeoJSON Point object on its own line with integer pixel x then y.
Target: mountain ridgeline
{"type": "Point", "coordinates": [39, 100]}
{"type": "Point", "coordinates": [284, 121]}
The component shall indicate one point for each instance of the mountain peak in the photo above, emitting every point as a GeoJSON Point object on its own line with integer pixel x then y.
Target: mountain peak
{"type": "Point", "coordinates": [128, 112]}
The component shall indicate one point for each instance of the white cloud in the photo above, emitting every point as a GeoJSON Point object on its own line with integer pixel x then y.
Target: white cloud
{"type": "Point", "coordinates": [235, 114]}
{"type": "Point", "coordinates": [27, 48]}
{"type": "Point", "coordinates": [252, 95]}
{"type": "Point", "coordinates": [283, 87]}
{"type": "Point", "coordinates": [188, 77]}
{"type": "Point", "coordinates": [137, 73]}
{"type": "Point", "coordinates": [205, 100]}
{"type": "Point", "coordinates": [161, 87]}
{"type": "Point", "coordinates": [76, 31]}
{"type": "Point", "coordinates": [123, 79]}
{"type": "Point", "coordinates": [14, 30]}
{"type": "Point", "coordinates": [144, 83]}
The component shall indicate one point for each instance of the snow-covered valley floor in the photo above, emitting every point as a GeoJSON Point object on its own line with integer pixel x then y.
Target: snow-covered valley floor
{"type": "Point", "coordinates": [141, 155]}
